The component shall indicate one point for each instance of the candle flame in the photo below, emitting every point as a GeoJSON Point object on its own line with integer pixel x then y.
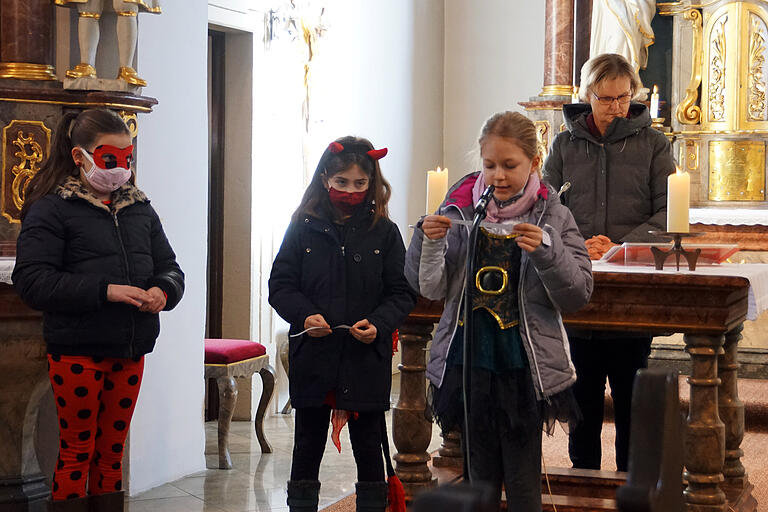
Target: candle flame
{"type": "Point", "coordinates": [655, 89]}
{"type": "Point", "coordinates": [438, 169]}
{"type": "Point", "coordinates": [678, 170]}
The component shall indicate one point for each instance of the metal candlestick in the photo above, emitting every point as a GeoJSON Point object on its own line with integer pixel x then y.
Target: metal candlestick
{"type": "Point", "coordinates": [660, 255]}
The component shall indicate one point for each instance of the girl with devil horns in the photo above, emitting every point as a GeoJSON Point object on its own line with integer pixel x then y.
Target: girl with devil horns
{"type": "Point", "coordinates": [338, 280]}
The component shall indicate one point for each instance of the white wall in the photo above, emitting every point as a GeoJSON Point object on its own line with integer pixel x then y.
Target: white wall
{"type": "Point", "coordinates": [167, 439]}
{"type": "Point", "coordinates": [494, 58]}
{"type": "Point", "coordinates": [384, 82]}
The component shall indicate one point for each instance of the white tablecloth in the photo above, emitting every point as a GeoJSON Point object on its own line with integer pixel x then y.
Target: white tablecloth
{"type": "Point", "coordinates": [6, 268]}
{"type": "Point", "coordinates": [732, 216]}
{"type": "Point", "coordinates": [756, 273]}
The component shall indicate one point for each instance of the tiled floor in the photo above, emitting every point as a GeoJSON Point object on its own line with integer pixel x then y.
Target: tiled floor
{"type": "Point", "coordinates": [256, 482]}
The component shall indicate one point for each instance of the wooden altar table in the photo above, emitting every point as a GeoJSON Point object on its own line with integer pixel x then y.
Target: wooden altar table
{"type": "Point", "coordinates": [708, 309]}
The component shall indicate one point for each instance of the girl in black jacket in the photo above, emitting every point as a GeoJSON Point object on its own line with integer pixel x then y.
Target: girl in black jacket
{"type": "Point", "coordinates": [93, 257]}
{"type": "Point", "coordinates": [338, 280]}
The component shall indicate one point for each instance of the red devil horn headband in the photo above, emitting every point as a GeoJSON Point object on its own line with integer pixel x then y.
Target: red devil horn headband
{"type": "Point", "coordinates": [375, 154]}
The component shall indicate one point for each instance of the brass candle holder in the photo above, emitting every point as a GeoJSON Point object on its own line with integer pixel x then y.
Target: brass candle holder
{"type": "Point", "coordinates": [660, 255]}
{"type": "Point", "coordinates": [658, 123]}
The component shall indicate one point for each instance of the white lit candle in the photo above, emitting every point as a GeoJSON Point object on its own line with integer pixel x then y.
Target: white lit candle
{"type": "Point", "coordinates": [575, 94]}
{"type": "Point", "coordinates": [655, 102]}
{"type": "Point", "coordinates": [678, 201]}
{"type": "Point", "coordinates": [437, 187]}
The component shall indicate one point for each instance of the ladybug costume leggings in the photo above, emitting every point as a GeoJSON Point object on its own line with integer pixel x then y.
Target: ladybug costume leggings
{"type": "Point", "coordinates": [95, 398]}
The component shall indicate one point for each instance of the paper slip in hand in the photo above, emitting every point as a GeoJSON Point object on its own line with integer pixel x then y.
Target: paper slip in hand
{"type": "Point", "coordinates": [340, 326]}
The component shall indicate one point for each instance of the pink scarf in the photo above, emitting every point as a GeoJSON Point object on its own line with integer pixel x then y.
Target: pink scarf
{"type": "Point", "coordinates": [516, 209]}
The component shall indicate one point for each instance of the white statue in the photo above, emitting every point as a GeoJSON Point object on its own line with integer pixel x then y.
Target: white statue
{"type": "Point", "coordinates": [623, 27]}
{"type": "Point", "coordinates": [89, 13]}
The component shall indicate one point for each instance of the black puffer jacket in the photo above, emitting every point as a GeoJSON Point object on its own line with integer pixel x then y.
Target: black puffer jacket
{"type": "Point", "coordinates": [345, 273]}
{"type": "Point", "coordinates": [71, 247]}
{"type": "Point", "coordinates": [619, 181]}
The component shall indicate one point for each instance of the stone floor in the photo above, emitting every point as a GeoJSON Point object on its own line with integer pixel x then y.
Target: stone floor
{"type": "Point", "coordinates": [256, 482]}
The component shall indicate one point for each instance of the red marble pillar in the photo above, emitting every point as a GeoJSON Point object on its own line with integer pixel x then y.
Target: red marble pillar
{"type": "Point", "coordinates": [26, 39]}
{"type": "Point", "coordinates": [558, 48]}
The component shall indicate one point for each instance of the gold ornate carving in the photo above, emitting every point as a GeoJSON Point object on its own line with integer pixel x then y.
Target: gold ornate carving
{"type": "Point", "coordinates": [717, 71]}
{"type": "Point", "coordinates": [91, 15]}
{"type": "Point", "coordinates": [131, 121]}
{"type": "Point", "coordinates": [688, 112]}
{"type": "Point", "coordinates": [563, 127]}
{"type": "Point", "coordinates": [128, 14]}
{"type": "Point", "coordinates": [690, 154]}
{"type": "Point", "coordinates": [736, 170]}
{"type": "Point", "coordinates": [27, 71]}
{"type": "Point", "coordinates": [542, 136]}
{"type": "Point", "coordinates": [756, 110]}
{"type": "Point", "coordinates": [84, 104]}
{"type": "Point", "coordinates": [21, 160]}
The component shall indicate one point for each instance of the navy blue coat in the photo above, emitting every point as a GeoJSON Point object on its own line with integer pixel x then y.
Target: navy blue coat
{"type": "Point", "coordinates": [347, 273]}
{"type": "Point", "coordinates": [71, 247]}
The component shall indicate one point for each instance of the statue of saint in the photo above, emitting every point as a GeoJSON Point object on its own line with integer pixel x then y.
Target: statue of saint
{"type": "Point", "coordinates": [89, 13]}
{"type": "Point", "coordinates": [623, 27]}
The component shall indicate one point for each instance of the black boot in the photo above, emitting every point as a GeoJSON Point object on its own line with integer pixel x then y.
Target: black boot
{"type": "Point", "coordinates": [303, 495]}
{"type": "Point", "coordinates": [371, 496]}
{"type": "Point", "coordinates": [73, 505]}
{"type": "Point", "coordinates": [110, 502]}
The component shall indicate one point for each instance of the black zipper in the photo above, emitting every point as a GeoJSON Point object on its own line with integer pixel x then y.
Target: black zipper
{"type": "Point", "coordinates": [128, 276]}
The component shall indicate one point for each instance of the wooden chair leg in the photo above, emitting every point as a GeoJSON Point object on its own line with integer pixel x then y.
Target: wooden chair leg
{"type": "Point", "coordinates": [268, 379]}
{"type": "Point", "coordinates": [227, 398]}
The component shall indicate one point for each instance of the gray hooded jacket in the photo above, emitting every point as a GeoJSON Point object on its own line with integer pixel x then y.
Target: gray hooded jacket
{"type": "Point", "coordinates": [554, 278]}
{"type": "Point", "coordinates": [619, 181]}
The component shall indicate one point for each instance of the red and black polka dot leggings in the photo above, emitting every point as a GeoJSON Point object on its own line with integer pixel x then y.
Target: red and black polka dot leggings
{"type": "Point", "coordinates": [95, 398]}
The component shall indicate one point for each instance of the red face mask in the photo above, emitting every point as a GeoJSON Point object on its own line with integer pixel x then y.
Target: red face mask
{"type": "Point", "coordinates": [346, 202]}
{"type": "Point", "coordinates": [109, 157]}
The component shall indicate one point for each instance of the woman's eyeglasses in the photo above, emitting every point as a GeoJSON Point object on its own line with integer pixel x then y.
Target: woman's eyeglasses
{"type": "Point", "coordinates": [608, 100]}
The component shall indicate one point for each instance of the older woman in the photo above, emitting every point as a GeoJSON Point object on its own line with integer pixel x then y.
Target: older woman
{"type": "Point", "coordinates": [617, 166]}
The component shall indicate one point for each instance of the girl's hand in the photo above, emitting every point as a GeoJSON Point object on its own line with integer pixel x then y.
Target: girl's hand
{"type": "Point", "coordinates": [529, 236]}
{"type": "Point", "coordinates": [127, 294]}
{"type": "Point", "coordinates": [597, 246]}
{"type": "Point", "coordinates": [363, 331]}
{"type": "Point", "coordinates": [435, 227]}
{"type": "Point", "coordinates": [157, 303]}
{"type": "Point", "coordinates": [317, 321]}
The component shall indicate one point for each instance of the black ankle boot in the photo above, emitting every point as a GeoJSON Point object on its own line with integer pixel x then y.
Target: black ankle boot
{"type": "Point", "coordinates": [74, 505]}
{"type": "Point", "coordinates": [303, 495]}
{"type": "Point", "coordinates": [371, 496]}
{"type": "Point", "coordinates": [110, 502]}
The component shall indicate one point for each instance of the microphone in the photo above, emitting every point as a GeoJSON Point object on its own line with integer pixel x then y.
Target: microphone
{"type": "Point", "coordinates": [482, 203]}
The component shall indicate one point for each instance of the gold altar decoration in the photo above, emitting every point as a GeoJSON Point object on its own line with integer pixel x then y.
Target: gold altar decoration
{"type": "Point", "coordinates": [733, 96]}
{"type": "Point", "coordinates": [27, 71]}
{"type": "Point", "coordinates": [21, 160]}
{"type": "Point", "coordinates": [542, 137]}
{"type": "Point", "coordinates": [131, 121]}
{"type": "Point", "coordinates": [688, 112]}
{"type": "Point", "coordinates": [145, 5]}
{"type": "Point", "coordinates": [736, 170]}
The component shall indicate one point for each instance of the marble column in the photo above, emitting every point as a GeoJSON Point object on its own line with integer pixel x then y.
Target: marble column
{"type": "Point", "coordinates": [558, 48]}
{"type": "Point", "coordinates": [582, 36]}
{"type": "Point", "coordinates": [26, 39]}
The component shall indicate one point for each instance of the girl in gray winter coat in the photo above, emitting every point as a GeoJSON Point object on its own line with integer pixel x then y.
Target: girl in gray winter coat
{"type": "Point", "coordinates": [531, 266]}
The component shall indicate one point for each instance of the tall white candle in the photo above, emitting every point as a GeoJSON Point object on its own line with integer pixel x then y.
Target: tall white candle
{"type": "Point", "coordinates": [678, 202]}
{"type": "Point", "coordinates": [655, 102]}
{"type": "Point", "coordinates": [437, 187]}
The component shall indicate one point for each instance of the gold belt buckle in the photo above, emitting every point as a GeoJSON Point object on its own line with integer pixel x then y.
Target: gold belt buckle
{"type": "Point", "coordinates": [489, 271]}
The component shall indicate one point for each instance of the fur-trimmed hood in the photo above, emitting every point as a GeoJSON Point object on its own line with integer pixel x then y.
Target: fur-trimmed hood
{"type": "Point", "coordinates": [124, 196]}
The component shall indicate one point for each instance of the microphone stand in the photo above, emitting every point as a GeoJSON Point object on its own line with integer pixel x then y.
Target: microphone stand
{"type": "Point", "coordinates": [480, 213]}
